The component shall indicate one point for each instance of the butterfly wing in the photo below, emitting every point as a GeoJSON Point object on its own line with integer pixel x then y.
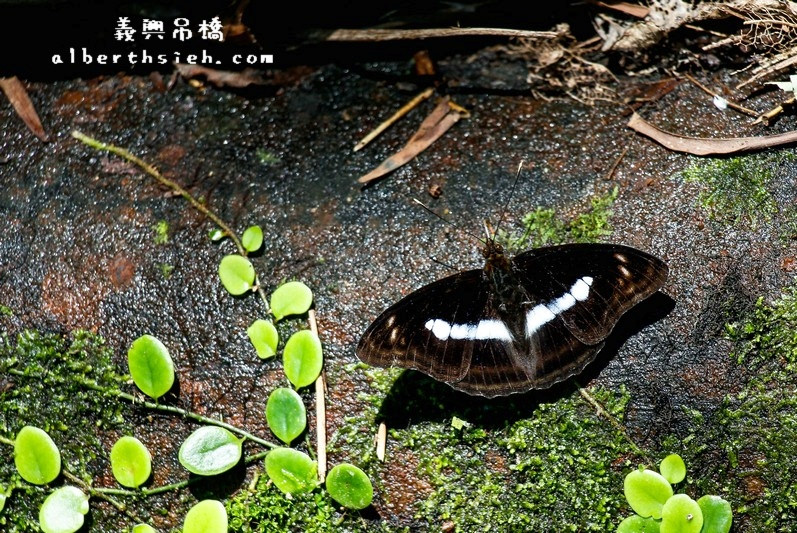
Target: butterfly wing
{"type": "Point", "coordinates": [416, 331]}
{"type": "Point", "coordinates": [540, 324]}
{"type": "Point", "coordinates": [591, 285]}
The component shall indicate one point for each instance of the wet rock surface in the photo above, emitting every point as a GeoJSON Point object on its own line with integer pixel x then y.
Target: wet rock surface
{"type": "Point", "coordinates": [79, 249]}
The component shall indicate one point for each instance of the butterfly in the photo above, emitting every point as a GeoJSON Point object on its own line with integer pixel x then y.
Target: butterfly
{"type": "Point", "coordinates": [517, 324]}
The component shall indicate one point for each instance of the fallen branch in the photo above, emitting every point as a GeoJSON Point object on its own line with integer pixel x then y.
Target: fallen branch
{"type": "Point", "coordinates": [704, 146]}
{"type": "Point", "coordinates": [430, 33]}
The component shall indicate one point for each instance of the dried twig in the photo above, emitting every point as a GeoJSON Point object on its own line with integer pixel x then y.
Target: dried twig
{"type": "Point", "coordinates": [731, 104]}
{"type": "Point", "coordinates": [429, 33]}
{"type": "Point", "coordinates": [406, 108]}
{"type": "Point", "coordinates": [320, 411]}
{"type": "Point", "coordinates": [699, 146]}
{"type": "Point", "coordinates": [766, 116]}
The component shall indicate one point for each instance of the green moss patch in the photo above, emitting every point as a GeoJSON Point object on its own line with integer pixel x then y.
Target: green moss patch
{"type": "Point", "coordinates": [737, 189]}
{"type": "Point", "coordinates": [42, 380]}
{"type": "Point", "coordinates": [544, 226]}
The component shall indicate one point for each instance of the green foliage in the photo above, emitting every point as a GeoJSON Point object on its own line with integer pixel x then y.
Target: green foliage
{"type": "Point", "coordinates": [143, 528]}
{"type": "Point", "coordinates": [6, 311]}
{"type": "Point", "coordinates": [637, 524]}
{"type": "Point", "coordinates": [237, 274]}
{"type": "Point", "coordinates": [131, 462]}
{"type": "Point", "coordinates": [651, 497]}
{"type": "Point", "coordinates": [757, 426]}
{"type": "Point", "coordinates": [736, 189]}
{"type": "Point", "coordinates": [207, 516]}
{"type": "Point", "coordinates": [303, 358]}
{"type": "Point", "coordinates": [151, 366]}
{"type": "Point", "coordinates": [166, 270]}
{"type": "Point", "coordinates": [161, 232]}
{"type": "Point", "coordinates": [646, 492]}
{"type": "Point", "coordinates": [681, 514]}
{"type": "Point", "coordinates": [266, 509]}
{"type": "Point", "coordinates": [562, 462]}
{"type": "Point", "coordinates": [264, 337]}
{"type": "Point", "coordinates": [252, 239]}
{"type": "Point", "coordinates": [292, 298]}
{"type": "Point", "coordinates": [292, 471]}
{"type": "Point", "coordinates": [349, 486]}
{"type": "Point", "coordinates": [210, 450]}
{"type": "Point", "coordinates": [673, 468]}
{"type": "Point", "coordinates": [47, 375]}
{"type": "Point", "coordinates": [285, 414]}
{"type": "Point", "coordinates": [63, 511]}
{"type": "Point", "coordinates": [717, 515]}
{"type": "Point", "coordinates": [542, 227]}
{"type": "Point", "coordinates": [36, 456]}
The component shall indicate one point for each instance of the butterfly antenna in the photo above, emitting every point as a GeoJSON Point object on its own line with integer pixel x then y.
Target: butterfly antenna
{"type": "Point", "coordinates": [508, 199]}
{"type": "Point", "coordinates": [430, 210]}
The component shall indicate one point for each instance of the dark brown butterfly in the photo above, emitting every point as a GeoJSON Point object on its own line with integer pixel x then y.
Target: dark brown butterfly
{"type": "Point", "coordinates": [518, 324]}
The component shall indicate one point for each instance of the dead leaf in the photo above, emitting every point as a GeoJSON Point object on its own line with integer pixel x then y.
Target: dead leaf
{"type": "Point", "coordinates": [706, 146]}
{"type": "Point", "coordinates": [19, 98]}
{"type": "Point", "coordinates": [627, 8]}
{"type": "Point", "coordinates": [445, 115]}
{"type": "Point", "coordinates": [222, 78]}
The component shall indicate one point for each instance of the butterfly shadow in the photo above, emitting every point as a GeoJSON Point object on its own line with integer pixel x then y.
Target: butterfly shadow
{"type": "Point", "coordinates": [416, 397]}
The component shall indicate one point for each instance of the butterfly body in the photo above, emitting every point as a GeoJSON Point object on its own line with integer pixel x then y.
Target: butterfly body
{"type": "Point", "coordinates": [518, 324]}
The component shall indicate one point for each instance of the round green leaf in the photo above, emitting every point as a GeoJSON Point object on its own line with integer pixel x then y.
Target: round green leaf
{"type": "Point", "coordinates": [210, 450]}
{"type": "Point", "coordinates": [151, 366]}
{"type": "Point", "coordinates": [292, 298]}
{"type": "Point", "coordinates": [292, 471]}
{"type": "Point", "coordinates": [673, 468]}
{"type": "Point", "coordinates": [252, 239]}
{"type": "Point", "coordinates": [717, 514]}
{"type": "Point", "coordinates": [3, 499]}
{"type": "Point", "coordinates": [63, 510]}
{"type": "Point", "coordinates": [637, 524]}
{"type": "Point", "coordinates": [303, 358]}
{"type": "Point", "coordinates": [681, 514]}
{"type": "Point", "coordinates": [264, 338]}
{"type": "Point", "coordinates": [646, 492]}
{"type": "Point", "coordinates": [36, 456]}
{"type": "Point", "coordinates": [285, 414]}
{"type": "Point", "coordinates": [131, 462]}
{"type": "Point", "coordinates": [208, 516]}
{"type": "Point", "coordinates": [237, 274]}
{"type": "Point", "coordinates": [143, 528]}
{"type": "Point", "coordinates": [350, 487]}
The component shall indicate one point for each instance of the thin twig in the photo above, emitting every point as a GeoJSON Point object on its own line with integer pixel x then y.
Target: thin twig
{"type": "Point", "coordinates": [617, 161]}
{"type": "Point", "coordinates": [613, 421]}
{"type": "Point", "coordinates": [732, 104]}
{"type": "Point", "coordinates": [770, 21]}
{"type": "Point", "coordinates": [152, 171]}
{"type": "Point", "coordinates": [320, 411]}
{"type": "Point", "coordinates": [406, 108]}
{"type": "Point", "coordinates": [429, 33]}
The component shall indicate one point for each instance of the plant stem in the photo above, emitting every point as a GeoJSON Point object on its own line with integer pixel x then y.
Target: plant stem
{"type": "Point", "coordinates": [612, 420]}
{"type": "Point", "coordinates": [196, 204]}
{"type": "Point", "coordinates": [93, 385]}
{"type": "Point", "coordinates": [4, 440]}
{"type": "Point", "coordinates": [320, 411]}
